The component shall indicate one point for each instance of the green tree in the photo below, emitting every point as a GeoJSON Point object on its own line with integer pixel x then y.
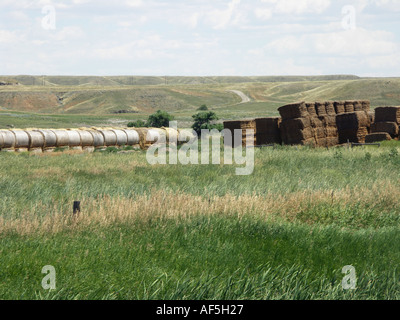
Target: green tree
{"type": "Point", "coordinates": [159, 119]}
{"type": "Point", "coordinates": [204, 120]}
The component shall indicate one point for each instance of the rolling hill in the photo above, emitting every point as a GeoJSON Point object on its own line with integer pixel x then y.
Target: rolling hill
{"type": "Point", "coordinates": [125, 98]}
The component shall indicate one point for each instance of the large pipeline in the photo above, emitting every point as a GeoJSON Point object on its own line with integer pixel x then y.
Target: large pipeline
{"type": "Point", "coordinates": [86, 139]}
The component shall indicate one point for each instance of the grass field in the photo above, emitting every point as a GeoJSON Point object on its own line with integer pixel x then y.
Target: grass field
{"type": "Point", "coordinates": [201, 232]}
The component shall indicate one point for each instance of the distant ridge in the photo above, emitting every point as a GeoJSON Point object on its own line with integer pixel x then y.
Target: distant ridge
{"type": "Point", "coordinates": [34, 80]}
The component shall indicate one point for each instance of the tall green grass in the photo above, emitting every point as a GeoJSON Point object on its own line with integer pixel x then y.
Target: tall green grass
{"type": "Point", "coordinates": [333, 208]}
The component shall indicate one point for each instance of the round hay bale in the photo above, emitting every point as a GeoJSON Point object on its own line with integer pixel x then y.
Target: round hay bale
{"type": "Point", "coordinates": [62, 138]}
{"type": "Point", "coordinates": [74, 138]}
{"type": "Point", "coordinates": [172, 135]}
{"type": "Point", "coordinates": [147, 137]}
{"type": "Point", "coordinates": [98, 138]}
{"type": "Point", "coordinates": [122, 138]}
{"type": "Point", "coordinates": [50, 138]}
{"type": "Point", "coordinates": [110, 138]}
{"type": "Point", "coordinates": [87, 139]}
{"type": "Point", "coordinates": [21, 139]}
{"type": "Point", "coordinates": [133, 137]}
{"type": "Point", "coordinates": [36, 139]}
{"type": "Point", "coordinates": [1, 140]}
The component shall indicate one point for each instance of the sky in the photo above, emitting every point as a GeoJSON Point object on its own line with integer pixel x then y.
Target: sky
{"type": "Point", "coordinates": [200, 37]}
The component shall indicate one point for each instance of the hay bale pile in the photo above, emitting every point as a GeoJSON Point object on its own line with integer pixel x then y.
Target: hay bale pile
{"type": "Point", "coordinates": [387, 120]}
{"type": "Point", "coordinates": [316, 123]}
{"type": "Point", "coordinates": [267, 131]}
{"type": "Point", "coordinates": [243, 125]}
{"type": "Point", "coordinates": [353, 127]}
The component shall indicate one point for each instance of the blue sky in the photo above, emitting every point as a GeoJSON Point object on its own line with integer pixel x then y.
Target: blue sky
{"type": "Point", "coordinates": [200, 37]}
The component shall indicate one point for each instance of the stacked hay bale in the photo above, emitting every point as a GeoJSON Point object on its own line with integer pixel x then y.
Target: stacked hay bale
{"type": "Point", "coordinates": [353, 127]}
{"type": "Point", "coordinates": [296, 127]}
{"type": "Point", "coordinates": [243, 125]}
{"type": "Point", "coordinates": [267, 131]}
{"type": "Point", "coordinates": [387, 120]}
{"type": "Point", "coordinates": [377, 137]}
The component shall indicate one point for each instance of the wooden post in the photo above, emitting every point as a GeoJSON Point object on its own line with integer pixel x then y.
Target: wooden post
{"type": "Point", "coordinates": [77, 207]}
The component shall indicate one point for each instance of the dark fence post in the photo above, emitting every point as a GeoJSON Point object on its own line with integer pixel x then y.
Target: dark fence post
{"type": "Point", "coordinates": [77, 207]}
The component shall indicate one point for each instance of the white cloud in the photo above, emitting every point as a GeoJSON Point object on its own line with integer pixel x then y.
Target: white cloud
{"type": "Point", "coordinates": [7, 37]}
{"type": "Point", "coordinates": [298, 6]}
{"type": "Point", "coordinates": [220, 19]}
{"type": "Point", "coordinates": [358, 42]}
{"type": "Point", "coordinates": [263, 13]}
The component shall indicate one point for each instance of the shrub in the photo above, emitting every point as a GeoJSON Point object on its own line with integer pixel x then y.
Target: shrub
{"type": "Point", "coordinates": [137, 124]}
{"type": "Point", "coordinates": [159, 119]}
{"type": "Point", "coordinates": [203, 108]}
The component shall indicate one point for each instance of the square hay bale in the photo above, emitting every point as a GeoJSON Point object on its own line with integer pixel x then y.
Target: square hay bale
{"type": "Point", "coordinates": [319, 133]}
{"type": "Point", "coordinates": [265, 138]}
{"type": "Point", "coordinates": [332, 141]}
{"type": "Point", "coordinates": [293, 111]}
{"type": "Point", "coordinates": [387, 114]}
{"type": "Point", "coordinates": [349, 107]}
{"type": "Point", "coordinates": [267, 125]}
{"type": "Point", "coordinates": [352, 121]}
{"type": "Point", "coordinates": [371, 115]}
{"type": "Point", "coordinates": [328, 121]}
{"type": "Point", "coordinates": [358, 106]}
{"type": "Point", "coordinates": [391, 128]}
{"type": "Point", "coordinates": [321, 142]}
{"type": "Point", "coordinates": [377, 137]}
{"type": "Point", "coordinates": [311, 109]}
{"type": "Point", "coordinates": [298, 124]}
{"type": "Point", "coordinates": [267, 131]}
{"type": "Point", "coordinates": [330, 108]}
{"type": "Point", "coordinates": [353, 127]}
{"type": "Point", "coordinates": [239, 125]}
{"type": "Point", "coordinates": [356, 136]}
{"type": "Point", "coordinates": [293, 134]}
{"type": "Point", "coordinates": [321, 108]}
{"type": "Point", "coordinates": [331, 132]}
{"type": "Point", "coordinates": [366, 105]}
{"type": "Point", "coordinates": [339, 107]}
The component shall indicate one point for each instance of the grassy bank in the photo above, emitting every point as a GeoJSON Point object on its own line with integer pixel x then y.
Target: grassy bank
{"type": "Point", "coordinates": [201, 232]}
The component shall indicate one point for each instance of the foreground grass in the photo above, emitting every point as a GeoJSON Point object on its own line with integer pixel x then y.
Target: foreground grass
{"type": "Point", "coordinates": [202, 258]}
{"type": "Point", "coordinates": [200, 232]}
